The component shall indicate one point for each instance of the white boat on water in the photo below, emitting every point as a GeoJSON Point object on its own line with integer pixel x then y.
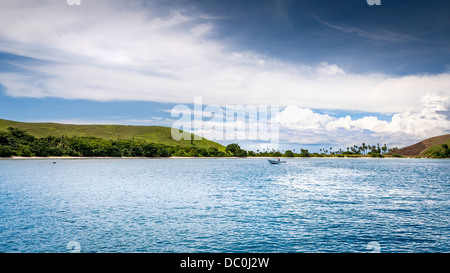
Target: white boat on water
{"type": "Point", "coordinates": [276, 161]}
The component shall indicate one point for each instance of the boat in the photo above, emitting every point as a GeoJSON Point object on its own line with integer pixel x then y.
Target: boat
{"type": "Point", "coordinates": [276, 161]}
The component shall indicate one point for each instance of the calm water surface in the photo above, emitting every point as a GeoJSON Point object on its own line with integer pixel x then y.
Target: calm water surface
{"type": "Point", "coordinates": [225, 205]}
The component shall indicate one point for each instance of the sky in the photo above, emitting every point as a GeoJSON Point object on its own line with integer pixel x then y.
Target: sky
{"type": "Point", "coordinates": [341, 72]}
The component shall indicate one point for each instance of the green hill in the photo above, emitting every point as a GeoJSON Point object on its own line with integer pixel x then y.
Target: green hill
{"type": "Point", "coordinates": [155, 134]}
{"type": "Point", "coordinates": [431, 147]}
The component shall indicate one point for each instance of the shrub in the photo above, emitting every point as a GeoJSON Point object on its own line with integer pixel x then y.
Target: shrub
{"type": "Point", "coordinates": [5, 151]}
{"type": "Point", "coordinates": [193, 152]}
{"type": "Point", "coordinates": [371, 154]}
{"type": "Point", "coordinates": [25, 151]}
{"type": "Point", "coordinates": [289, 153]}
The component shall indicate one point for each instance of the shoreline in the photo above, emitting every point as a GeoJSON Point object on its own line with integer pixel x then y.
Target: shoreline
{"type": "Point", "coordinates": [195, 157]}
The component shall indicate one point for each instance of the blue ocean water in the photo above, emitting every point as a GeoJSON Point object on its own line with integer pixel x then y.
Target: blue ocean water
{"type": "Point", "coordinates": [225, 205]}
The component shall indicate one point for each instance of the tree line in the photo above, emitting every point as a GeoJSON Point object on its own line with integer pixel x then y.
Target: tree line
{"type": "Point", "coordinates": [17, 142]}
{"type": "Point", "coordinates": [353, 151]}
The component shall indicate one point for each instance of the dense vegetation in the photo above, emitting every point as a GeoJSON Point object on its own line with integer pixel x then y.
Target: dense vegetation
{"type": "Point", "coordinates": [17, 142]}
{"type": "Point", "coordinates": [438, 151]}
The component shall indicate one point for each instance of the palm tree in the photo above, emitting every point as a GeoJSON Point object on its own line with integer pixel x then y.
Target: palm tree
{"type": "Point", "coordinates": [384, 148]}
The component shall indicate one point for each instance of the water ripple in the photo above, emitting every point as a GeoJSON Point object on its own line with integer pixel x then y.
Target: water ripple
{"type": "Point", "coordinates": [223, 205]}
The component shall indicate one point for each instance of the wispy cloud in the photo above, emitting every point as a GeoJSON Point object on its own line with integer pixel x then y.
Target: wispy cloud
{"type": "Point", "coordinates": [376, 33]}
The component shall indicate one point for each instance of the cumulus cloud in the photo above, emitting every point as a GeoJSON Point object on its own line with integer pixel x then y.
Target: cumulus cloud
{"type": "Point", "coordinates": [402, 128]}
{"type": "Point", "coordinates": [427, 122]}
{"type": "Point", "coordinates": [104, 51]}
{"type": "Point", "coordinates": [302, 118]}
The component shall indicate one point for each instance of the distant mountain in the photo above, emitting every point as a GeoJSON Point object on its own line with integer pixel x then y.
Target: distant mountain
{"type": "Point", "coordinates": [155, 134]}
{"type": "Point", "coordinates": [431, 147]}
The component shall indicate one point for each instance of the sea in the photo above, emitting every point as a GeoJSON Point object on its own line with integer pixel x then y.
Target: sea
{"type": "Point", "coordinates": [225, 205]}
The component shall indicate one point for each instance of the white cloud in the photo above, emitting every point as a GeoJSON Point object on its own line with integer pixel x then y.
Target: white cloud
{"type": "Point", "coordinates": [326, 69]}
{"type": "Point", "coordinates": [302, 118]}
{"type": "Point", "coordinates": [366, 123]}
{"type": "Point", "coordinates": [427, 122]}
{"type": "Point", "coordinates": [403, 128]}
{"type": "Point", "coordinates": [202, 29]}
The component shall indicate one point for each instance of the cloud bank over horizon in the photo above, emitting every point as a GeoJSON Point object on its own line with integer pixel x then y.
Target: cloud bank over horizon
{"type": "Point", "coordinates": [431, 120]}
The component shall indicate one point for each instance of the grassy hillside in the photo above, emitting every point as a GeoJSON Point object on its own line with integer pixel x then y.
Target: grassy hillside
{"type": "Point", "coordinates": [431, 147]}
{"type": "Point", "coordinates": [438, 150]}
{"type": "Point", "coordinates": [155, 134]}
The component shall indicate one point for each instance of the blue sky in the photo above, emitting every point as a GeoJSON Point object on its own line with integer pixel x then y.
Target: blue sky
{"type": "Point", "coordinates": [335, 68]}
